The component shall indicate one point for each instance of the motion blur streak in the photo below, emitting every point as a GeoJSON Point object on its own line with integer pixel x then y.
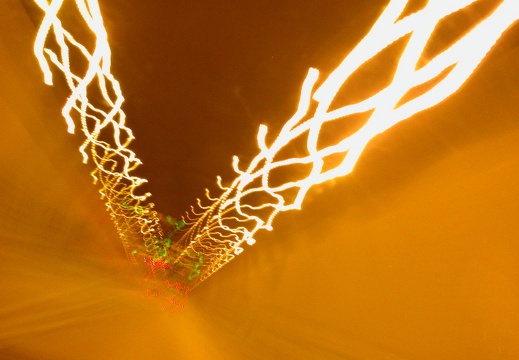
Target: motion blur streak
{"type": "Point", "coordinates": [263, 190]}
{"type": "Point", "coordinates": [96, 101]}
{"type": "Point", "coordinates": [278, 178]}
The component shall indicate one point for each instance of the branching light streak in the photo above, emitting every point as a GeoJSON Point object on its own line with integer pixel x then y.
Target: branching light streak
{"type": "Point", "coordinates": [96, 101]}
{"type": "Point", "coordinates": [215, 234]}
{"type": "Point", "coordinates": [253, 199]}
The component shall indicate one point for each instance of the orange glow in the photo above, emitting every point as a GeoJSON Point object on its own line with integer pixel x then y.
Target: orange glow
{"type": "Point", "coordinates": [253, 199]}
{"type": "Point", "coordinates": [267, 185]}
{"type": "Point", "coordinates": [95, 102]}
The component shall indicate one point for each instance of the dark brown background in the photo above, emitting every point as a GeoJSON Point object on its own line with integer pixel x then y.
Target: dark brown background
{"type": "Point", "coordinates": [413, 256]}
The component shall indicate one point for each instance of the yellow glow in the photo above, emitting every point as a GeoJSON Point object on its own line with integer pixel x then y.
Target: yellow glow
{"type": "Point", "coordinates": [251, 201]}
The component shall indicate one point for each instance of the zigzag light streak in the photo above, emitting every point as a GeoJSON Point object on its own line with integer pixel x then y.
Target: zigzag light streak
{"type": "Point", "coordinates": [253, 199]}
{"type": "Point", "coordinates": [96, 101]}
{"type": "Point", "coordinates": [274, 181]}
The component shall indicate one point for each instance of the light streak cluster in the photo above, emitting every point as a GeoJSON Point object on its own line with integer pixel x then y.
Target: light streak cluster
{"type": "Point", "coordinates": [95, 103]}
{"type": "Point", "coordinates": [258, 193]}
{"type": "Point", "coordinates": [275, 180]}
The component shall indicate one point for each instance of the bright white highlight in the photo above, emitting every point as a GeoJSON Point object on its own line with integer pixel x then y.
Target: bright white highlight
{"type": "Point", "coordinates": [95, 102]}
{"type": "Point", "coordinates": [280, 175]}
{"type": "Point", "coordinates": [253, 199]}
